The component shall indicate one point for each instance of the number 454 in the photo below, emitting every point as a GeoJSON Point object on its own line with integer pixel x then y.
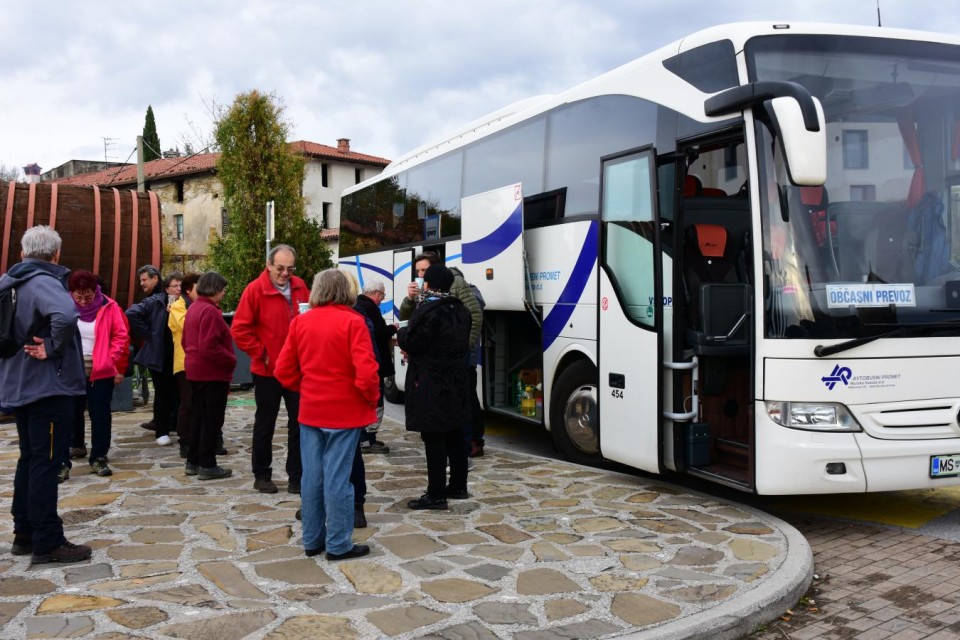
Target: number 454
{"type": "Point", "coordinates": [616, 393]}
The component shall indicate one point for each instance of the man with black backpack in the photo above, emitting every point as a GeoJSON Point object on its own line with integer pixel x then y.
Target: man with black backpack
{"type": "Point", "coordinates": [40, 382]}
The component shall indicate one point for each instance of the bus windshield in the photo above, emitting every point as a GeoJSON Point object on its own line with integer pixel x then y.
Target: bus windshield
{"type": "Point", "coordinates": [878, 246]}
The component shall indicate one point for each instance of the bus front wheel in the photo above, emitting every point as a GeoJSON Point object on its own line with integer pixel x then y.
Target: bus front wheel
{"type": "Point", "coordinates": [574, 417]}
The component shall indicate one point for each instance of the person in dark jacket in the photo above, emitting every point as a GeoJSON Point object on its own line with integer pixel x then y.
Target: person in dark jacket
{"type": "Point", "coordinates": [148, 320]}
{"type": "Point", "coordinates": [368, 303]}
{"type": "Point", "coordinates": [209, 361]}
{"type": "Point", "coordinates": [436, 341]}
{"type": "Point", "coordinates": [41, 385]}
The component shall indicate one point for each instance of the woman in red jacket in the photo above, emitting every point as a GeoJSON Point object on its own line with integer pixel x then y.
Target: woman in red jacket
{"type": "Point", "coordinates": [328, 357]}
{"type": "Point", "coordinates": [105, 341]}
{"type": "Point", "coordinates": [209, 362]}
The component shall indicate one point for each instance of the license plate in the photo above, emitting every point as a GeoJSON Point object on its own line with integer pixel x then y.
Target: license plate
{"type": "Point", "coordinates": [945, 466]}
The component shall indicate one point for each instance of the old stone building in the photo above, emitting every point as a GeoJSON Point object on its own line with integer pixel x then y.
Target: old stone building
{"type": "Point", "coordinates": [192, 195]}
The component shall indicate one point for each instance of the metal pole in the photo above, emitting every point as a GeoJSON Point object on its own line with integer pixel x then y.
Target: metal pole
{"type": "Point", "coordinates": [140, 187]}
{"type": "Point", "coordinates": [269, 226]}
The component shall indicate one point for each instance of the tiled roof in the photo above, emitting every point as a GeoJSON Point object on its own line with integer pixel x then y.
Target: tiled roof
{"type": "Point", "coordinates": [152, 171]}
{"type": "Point", "coordinates": [166, 168]}
{"type": "Point", "coordinates": [314, 150]}
{"type": "Point", "coordinates": [330, 234]}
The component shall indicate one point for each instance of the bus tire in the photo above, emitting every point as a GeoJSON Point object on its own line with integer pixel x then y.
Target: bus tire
{"type": "Point", "coordinates": [390, 391]}
{"type": "Point", "coordinates": [574, 415]}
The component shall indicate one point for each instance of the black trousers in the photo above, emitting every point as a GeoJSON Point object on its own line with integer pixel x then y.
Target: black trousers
{"type": "Point", "coordinates": [185, 411]}
{"type": "Point", "coordinates": [44, 428]}
{"type": "Point", "coordinates": [166, 402]}
{"type": "Point", "coordinates": [209, 410]}
{"type": "Point", "coordinates": [440, 447]}
{"type": "Point", "coordinates": [268, 392]}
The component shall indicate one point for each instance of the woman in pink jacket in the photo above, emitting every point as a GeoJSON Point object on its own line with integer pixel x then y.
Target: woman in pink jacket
{"type": "Point", "coordinates": [105, 340]}
{"type": "Point", "coordinates": [328, 357]}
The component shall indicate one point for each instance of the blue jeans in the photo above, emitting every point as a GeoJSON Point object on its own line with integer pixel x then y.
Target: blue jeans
{"type": "Point", "coordinates": [44, 428]}
{"type": "Point", "coordinates": [325, 490]}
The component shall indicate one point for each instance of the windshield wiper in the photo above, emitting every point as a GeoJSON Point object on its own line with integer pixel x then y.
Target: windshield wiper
{"type": "Point", "coordinates": [822, 351]}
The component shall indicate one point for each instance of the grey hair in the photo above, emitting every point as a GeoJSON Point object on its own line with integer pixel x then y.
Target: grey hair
{"type": "Point", "coordinates": [277, 249]}
{"type": "Point", "coordinates": [210, 284]}
{"type": "Point", "coordinates": [331, 286]}
{"type": "Point", "coordinates": [40, 242]}
{"type": "Point", "coordinates": [374, 286]}
{"type": "Point", "coordinates": [150, 270]}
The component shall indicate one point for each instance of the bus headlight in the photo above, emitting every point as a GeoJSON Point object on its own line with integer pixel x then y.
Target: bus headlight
{"type": "Point", "coordinates": [812, 416]}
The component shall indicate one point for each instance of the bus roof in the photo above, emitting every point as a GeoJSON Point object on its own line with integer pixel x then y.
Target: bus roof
{"type": "Point", "coordinates": [644, 77]}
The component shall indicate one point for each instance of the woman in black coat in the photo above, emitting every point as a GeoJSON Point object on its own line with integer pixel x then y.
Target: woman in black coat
{"type": "Point", "coordinates": [436, 341]}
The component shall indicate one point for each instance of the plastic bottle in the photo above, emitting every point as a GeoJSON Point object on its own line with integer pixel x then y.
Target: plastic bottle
{"type": "Point", "coordinates": [528, 402]}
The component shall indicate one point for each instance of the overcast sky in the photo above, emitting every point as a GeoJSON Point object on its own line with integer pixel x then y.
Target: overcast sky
{"type": "Point", "coordinates": [388, 74]}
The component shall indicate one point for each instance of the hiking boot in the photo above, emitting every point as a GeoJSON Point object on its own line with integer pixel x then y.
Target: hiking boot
{"type": "Point", "coordinates": [78, 452]}
{"type": "Point", "coordinates": [164, 441]}
{"type": "Point", "coordinates": [64, 474]}
{"type": "Point", "coordinates": [190, 469]}
{"type": "Point", "coordinates": [149, 426]}
{"type": "Point", "coordinates": [214, 473]}
{"type": "Point", "coordinates": [22, 545]}
{"type": "Point", "coordinates": [375, 447]}
{"type": "Point", "coordinates": [67, 552]}
{"type": "Point", "coordinates": [293, 486]}
{"type": "Point", "coordinates": [357, 551]}
{"type": "Point", "coordinates": [426, 501]}
{"type": "Point", "coordinates": [314, 552]}
{"type": "Point", "coordinates": [265, 485]}
{"type": "Point", "coordinates": [359, 517]}
{"type": "Point", "coordinates": [99, 467]}
{"type": "Point", "coordinates": [222, 451]}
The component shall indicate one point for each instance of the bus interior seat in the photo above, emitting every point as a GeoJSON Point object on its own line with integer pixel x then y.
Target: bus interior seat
{"type": "Point", "coordinates": [692, 186]}
{"type": "Point", "coordinates": [714, 192]}
{"type": "Point", "coordinates": [815, 200]}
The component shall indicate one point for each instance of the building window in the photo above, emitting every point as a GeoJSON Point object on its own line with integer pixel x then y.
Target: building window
{"type": "Point", "coordinates": [178, 220]}
{"type": "Point", "coordinates": [357, 175]}
{"type": "Point", "coordinates": [863, 192]}
{"type": "Point", "coordinates": [224, 221]}
{"type": "Point", "coordinates": [855, 149]}
{"type": "Point", "coordinates": [179, 190]}
{"type": "Point", "coordinates": [325, 220]}
{"type": "Point", "coordinates": [324, 181]}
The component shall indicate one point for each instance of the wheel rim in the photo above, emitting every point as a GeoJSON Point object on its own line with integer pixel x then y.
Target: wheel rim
{"type": "Point", "coordinates": [580, 419]}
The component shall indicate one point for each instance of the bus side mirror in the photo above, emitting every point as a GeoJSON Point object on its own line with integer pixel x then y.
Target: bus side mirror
{"type": "Point", "coordinates": [805, 151]}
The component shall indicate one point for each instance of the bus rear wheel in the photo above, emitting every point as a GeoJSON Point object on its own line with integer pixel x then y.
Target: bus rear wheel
{"type": "Point", "coordinates": [574, 415]}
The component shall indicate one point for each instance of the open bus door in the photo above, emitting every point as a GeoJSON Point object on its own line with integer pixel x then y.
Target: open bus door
{"type": "Point", "coordinates": [630, 312]}
{"type": "Point", "coordinates": [402, 270]}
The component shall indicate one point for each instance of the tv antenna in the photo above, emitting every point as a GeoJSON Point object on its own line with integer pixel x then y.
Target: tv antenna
{"type": "Point", "coordinates": [108, 145]}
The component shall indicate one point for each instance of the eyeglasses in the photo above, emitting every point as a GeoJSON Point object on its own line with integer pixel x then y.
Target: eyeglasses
{"type": "Point", "coordinates": [283, 269]}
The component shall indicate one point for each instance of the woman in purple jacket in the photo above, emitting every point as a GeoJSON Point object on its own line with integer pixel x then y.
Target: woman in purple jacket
{"type": "Point", "coordinates": [209, 361]}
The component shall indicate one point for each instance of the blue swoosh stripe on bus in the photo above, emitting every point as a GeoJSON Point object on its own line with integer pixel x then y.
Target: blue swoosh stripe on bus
{"type": "Point", "coordinates": [495, 243]}
{"type": "Point", "coordinates": [554, 322]}
{"type": "Point", "coordinates": [453, 257]}
{"type": "Point", "coordinates": [401, 268]}
{"type": "Point", "coordinates": [386, 274]}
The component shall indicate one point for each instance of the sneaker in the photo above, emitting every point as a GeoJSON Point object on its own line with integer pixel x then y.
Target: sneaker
{"type": "Point", "coordinates": [293, 486]}
{"type": "Point", "coordinates": [67, 552]}
{"type": "Point", "coordinates": [357, 551]}
{"type": "Point", "coordinates": [375, 447]}
{"type": "Point", "coordinates": [359, 517]}
{"type": "Point", "coordinates": [78, 452]}
{"type": "Point", "coordinates": [426, 501]}
{"type": "Point", "coordinates": [190, 469]}
{"type": "Point", "coordinates": [314, 552]}
{"type": "Point", "coordinates": [214, 473]}
{"type": "Point", "coordinates": [149, 426]}
{"type": "Point", "coordinates": [451, 494]}
{"type": "Point", "coordinates": [99, 467]}
{"type": "Point", "coordinates": [222, 451]}
{"type": "Point", "coordinates": [164, 441]}
{"type": "Point", "coordinates": [264, 485]}
{"type": "Point", "coordinates": [64, 474]}
{"type": "Point", "coordinates": [476, 449]}
{"type": "Point", "coordinates": [299, 515]}
{"type": "Point", "coordinates": [22, 546]}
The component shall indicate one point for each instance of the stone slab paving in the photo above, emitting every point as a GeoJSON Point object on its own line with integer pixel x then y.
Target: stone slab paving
{"type": "Point", "coordinates": [542, 550]}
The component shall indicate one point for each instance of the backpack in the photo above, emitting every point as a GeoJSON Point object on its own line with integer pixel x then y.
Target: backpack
{"type": "Point", "coordinates": [9, 345]}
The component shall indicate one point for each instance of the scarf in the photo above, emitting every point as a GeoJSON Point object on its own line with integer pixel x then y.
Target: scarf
{"type": "Point", "coordinates": [88, 313]}
{"type": "Point", "coordinates": [431, 294]}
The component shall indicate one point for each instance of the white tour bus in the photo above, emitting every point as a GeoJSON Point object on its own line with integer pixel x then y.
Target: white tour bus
{"type": "Point", "coordinates": [737, 257]}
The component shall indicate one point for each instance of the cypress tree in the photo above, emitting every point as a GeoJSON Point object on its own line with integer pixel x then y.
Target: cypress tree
{"type": "Point", "coordinates": [151, 141]}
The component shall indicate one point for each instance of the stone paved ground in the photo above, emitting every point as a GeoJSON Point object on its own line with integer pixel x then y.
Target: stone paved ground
{"type": "Point", "coordinates": [544, 550]}
{"type": "Point", "coordinates": [875, 583]}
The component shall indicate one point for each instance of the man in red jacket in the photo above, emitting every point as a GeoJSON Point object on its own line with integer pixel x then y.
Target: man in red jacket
{"type": "Point", "coordinates": [259, 328]}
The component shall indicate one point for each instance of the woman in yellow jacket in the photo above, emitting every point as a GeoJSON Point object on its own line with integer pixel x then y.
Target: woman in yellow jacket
{"type": "Point", "coordinates": [177, 313]}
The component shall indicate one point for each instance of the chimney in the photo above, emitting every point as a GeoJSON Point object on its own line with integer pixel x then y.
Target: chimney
{"type": "Point", "coordinates": [31, 173]}
{"type": "Point", "coordinates": [343, 144]}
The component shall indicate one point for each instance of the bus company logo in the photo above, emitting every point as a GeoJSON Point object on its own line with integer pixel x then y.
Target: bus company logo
{"type": "Point", "coordinates": [839, 374]}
